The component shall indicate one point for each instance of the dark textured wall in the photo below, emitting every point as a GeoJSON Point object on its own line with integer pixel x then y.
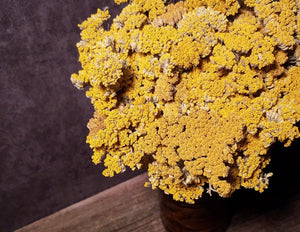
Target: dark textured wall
{"type": "Point", "coordinates": [45, 163]}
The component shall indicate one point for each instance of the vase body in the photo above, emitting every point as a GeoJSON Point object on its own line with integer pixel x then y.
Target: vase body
{"type": "Point", "coordinates": [208, 214]}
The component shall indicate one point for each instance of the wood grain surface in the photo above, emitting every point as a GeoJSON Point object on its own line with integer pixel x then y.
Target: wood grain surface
{"type": "Point", "coordinates": [132, 207]}
{"type": "Point", "coordinates": [126, 207]}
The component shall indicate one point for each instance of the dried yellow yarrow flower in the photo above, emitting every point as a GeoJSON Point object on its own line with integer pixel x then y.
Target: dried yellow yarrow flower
{"type": "Point", "coordinates": [195, 92]}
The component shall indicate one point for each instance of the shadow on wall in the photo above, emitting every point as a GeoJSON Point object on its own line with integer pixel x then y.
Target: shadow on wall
{"type": "Point", "coordinates": [283, 189]}
{"type": "Point", "coordinates": [45, 163]}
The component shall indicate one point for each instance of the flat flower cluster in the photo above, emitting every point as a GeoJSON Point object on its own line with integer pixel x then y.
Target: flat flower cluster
{"type": "Point", "coordinates": [195, 92]}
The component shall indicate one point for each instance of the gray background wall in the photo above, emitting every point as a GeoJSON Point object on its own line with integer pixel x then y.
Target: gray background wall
{"type": "Point", "coordinates": [44, 161]}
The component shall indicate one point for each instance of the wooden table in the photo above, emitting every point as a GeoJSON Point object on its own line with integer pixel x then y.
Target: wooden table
{"type": "Point", "coordinates": [132, 207]}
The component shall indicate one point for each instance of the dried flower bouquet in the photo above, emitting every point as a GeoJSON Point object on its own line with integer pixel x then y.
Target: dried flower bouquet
{"type": "Point", "coordinates": [195, 92]}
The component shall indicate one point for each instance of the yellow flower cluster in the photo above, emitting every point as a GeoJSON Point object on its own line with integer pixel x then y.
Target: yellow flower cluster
{"type": "Point", "coordinates": [195, 92]}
